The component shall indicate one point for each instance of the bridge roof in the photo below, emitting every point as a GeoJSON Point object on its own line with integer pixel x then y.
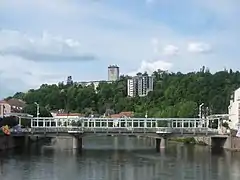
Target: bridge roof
{"type": "Point", "coordinates": [219, 116]}
{"type": "Point", "coordinates": [20, 115]}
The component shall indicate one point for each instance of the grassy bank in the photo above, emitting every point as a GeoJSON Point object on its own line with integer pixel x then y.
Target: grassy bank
{"type": "Point", "coordinates": [190, 140]}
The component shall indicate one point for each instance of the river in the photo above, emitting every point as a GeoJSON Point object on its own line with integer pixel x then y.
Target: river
{"type": "Point", "coordinates": [119, 158]}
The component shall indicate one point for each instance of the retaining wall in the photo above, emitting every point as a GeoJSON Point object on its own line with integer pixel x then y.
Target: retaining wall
{"type": "Point", "coordinates": [230, 143]}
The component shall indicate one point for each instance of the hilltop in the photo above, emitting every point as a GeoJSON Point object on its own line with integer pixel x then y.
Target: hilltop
{"type": "Point", "coordinates": [174, 95]}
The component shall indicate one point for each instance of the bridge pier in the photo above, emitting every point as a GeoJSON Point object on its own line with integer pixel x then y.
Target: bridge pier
{"type": "Point", "coordinates": [161, 143]}
{"type": "Point", "coordinates": [26, 141]}
{"type": "Point", "coordinates": [77, 143]}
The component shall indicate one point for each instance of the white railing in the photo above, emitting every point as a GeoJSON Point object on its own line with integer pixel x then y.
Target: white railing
{"type": "Point", "coordinates": [120, 125]}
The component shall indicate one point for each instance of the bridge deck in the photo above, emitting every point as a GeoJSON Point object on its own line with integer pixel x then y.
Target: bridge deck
{"type": "Point", "coordinates": [177, 126]}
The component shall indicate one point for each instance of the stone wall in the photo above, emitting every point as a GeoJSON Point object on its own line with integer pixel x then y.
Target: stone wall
{"type": "Point", "coordinates": [230, 143]}
{"type": "Point", "coordinates": [235, 141]}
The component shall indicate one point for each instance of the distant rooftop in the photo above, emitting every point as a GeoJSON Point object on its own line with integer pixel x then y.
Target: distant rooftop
{"type": "Point", "coordinates": [113, 66]}
{"type": "Point", "coordinates": [68, 114]}
{"type": "Point", "coordinates": [21, 115]}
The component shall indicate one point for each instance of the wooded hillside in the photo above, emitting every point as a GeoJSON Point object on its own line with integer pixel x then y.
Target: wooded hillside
{"type": "Point", "coordinates": [174, 95]}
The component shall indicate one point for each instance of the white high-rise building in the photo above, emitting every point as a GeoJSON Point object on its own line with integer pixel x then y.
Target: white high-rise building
{"type": "Point", "coordinates": [140, 85]}
{"type": "Point", "coordinates": [234, 110]}
{"type": "Point", "coordinates": [113, 73]}
{"type": "Point", "coordinates": [131, 87]}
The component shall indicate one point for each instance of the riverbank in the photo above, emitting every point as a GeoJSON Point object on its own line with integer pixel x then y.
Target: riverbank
{"type": "Point", "coordinates": [230, 143]}
{"type": "Point", "coordinates": [10, 142]}
{"type": "Point", "coordinates": [190, 140]}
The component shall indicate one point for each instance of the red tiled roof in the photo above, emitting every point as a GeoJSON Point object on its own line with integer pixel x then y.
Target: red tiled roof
{"type": "Point", "coordinates": [115, 115]}
{"type": "Point", "coordinates": [122, 114]}
{"type": "Point", "coordinates": [127, 113]}
{"type": "Point", "coordinates": [3, 101]}
{"type": "Point", "coordinates": [16, 102]}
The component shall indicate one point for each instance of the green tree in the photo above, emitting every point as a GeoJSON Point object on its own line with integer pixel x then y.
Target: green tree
{"type": "Point", "coordinates": [175, 95]}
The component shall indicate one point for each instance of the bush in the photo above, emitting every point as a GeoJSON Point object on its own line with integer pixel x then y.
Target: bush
{"type": "Point", "coordinates": [10, 121]}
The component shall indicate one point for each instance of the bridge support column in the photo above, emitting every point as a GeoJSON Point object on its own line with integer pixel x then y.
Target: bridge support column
{"type": "Point", "coordinates": [161, 143]}
{"type": "Point", "coordinates": [77, 143]}
{"type": "Point", "coordinates": [26, 140]}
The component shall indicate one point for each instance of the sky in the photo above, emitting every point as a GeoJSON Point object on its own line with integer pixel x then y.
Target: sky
{"type": "Point", "coordinates": [44, 41]}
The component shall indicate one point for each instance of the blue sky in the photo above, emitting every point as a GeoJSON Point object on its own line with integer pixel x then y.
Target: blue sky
{"type": "Point", "coordinates": [44, 41]}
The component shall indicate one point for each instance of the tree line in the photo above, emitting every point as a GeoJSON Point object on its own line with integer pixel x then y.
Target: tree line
{"type": "Point", "coordinates": [174, 95]}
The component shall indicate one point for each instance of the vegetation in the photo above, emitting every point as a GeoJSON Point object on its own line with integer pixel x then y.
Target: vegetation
{"type": "Point", "coordinates": [186, 140]}
{"type": "Point", "coordinates": [10, 121]}
{"type": "Point", "coordinates": [174, 95]}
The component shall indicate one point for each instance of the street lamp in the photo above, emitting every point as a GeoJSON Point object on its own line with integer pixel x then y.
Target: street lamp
{"type": "Point", "coordinates": [38, 113]}
{"type": "Point", "coordinates": [200, 110]}
{"type": "Point", "coordinates": [200, 113]}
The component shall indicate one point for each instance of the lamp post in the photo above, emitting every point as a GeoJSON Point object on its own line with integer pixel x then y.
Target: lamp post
{"type": "Point", "coordinates": [38, 109]}
{"type": "Point", "coordinates": [200, 112]}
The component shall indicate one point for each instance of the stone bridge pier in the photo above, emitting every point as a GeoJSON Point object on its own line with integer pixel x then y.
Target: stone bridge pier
{"type": "Point", "coordinates": [161, 143]}
{"type": "Point", "coordinates": [77, 143]}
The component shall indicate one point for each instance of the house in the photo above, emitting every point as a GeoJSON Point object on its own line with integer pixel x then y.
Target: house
{"type": "Point", "coordinates": [127, 114]}
{"type": "Point", "coordinates": [234, 110]}
{"type": "Point", "coordinates": [5, 108]}
{"type": "Point", "coordinates": [17, 105]}
{"type": "Point", "coordinates": [11, 106]}
{"type": "Point", "coordinates": [122, 115]}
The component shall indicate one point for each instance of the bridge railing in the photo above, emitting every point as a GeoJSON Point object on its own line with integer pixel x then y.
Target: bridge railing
{"type": "Point", "coordinates": [56, 129]}
{"type": "Point", "coordinates": [119, 130]}
{"type": "Point", "coordinates": [159, 130]}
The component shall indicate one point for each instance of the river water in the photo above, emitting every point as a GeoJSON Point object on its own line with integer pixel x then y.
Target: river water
{"type": "Point", "coordinates": [119, 158]}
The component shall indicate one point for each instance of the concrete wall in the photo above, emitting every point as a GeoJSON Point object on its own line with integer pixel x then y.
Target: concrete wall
{"type": "Point", "coordinates": [234, 142]}
{"type": "Point", "coordinates": [230, 143]}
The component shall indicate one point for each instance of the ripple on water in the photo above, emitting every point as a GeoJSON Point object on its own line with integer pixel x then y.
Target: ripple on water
{"type": "Point", "coordinates": [120, 159]}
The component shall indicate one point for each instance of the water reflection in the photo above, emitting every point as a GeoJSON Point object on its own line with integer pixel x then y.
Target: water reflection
{"type": "Point", "coordinates": [120, 159]}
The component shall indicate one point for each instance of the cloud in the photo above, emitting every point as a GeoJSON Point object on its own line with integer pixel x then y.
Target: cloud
{"type": "Point", "coordinates": [170, 50]}
{"type": "Point", "coordinates": [116, 35]}
{"type": "Point", "coordinates": [199, 47]}
{"type": "Point", "coordinates": [20, 74]}
{"type": "Point", "coordinates": [151, 66]}
{"type": "Point", "coordinates": [43, 48]}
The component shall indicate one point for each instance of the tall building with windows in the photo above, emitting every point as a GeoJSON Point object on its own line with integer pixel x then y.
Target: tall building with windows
{"type": "Point", "coordinates": [140, 85]}
{"type": "Point", "coordinates": [113, 73]}
{"type": "Point", "coordinates": [234, 110]}
{"type": "Point", "coordinates": [132, 87]}
{"type": "Point", "coordinates": [69, 80]}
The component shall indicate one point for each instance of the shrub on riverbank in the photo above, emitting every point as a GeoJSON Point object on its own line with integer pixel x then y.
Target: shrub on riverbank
{"type": "Point", "coordinates": [10, 121]}
{"type": "Point", "coordinates": [190, 140]}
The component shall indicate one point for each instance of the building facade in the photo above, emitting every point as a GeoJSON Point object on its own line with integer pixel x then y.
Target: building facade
{"type": "Point", "coordinates": [11, 106]}
{"type": "Point", "coordinates": [140, 85]}
{"type": "Point", "coordinates": [5, 108]}
{"type": "Point", "coordinates": [131, 87]}
{"type": "Point", "coordinates": [113, 73]}
{"type": "Point", "coordinates": [234, 110]}
{"type": "Point", "coordinates": [69, 80]}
